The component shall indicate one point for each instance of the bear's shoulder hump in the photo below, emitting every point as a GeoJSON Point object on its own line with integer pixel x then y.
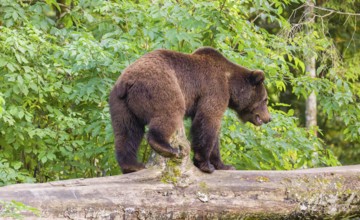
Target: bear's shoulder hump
{"type": "Point", "coordinates": [209, 51]}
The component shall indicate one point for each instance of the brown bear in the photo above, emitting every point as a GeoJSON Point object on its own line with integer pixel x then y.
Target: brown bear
{"type": "Point", "coordinates": [162, 87]}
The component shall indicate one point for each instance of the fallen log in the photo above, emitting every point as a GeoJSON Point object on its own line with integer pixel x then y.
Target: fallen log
{"type": "Point", "coordinates": [173, 189]}
{"type": "Point", "coordinates": [332, 192]}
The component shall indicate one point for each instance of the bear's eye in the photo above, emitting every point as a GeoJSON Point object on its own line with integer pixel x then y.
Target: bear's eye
{"type": "Point", "coordinates": [266, 100]}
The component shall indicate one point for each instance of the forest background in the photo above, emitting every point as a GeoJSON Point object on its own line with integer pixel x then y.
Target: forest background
{"type": "Point", "coordinates": [60, 58]}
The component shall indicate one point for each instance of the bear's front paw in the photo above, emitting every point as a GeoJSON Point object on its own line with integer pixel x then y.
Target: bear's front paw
{"type": "Point", "coordinates": [204, 166]}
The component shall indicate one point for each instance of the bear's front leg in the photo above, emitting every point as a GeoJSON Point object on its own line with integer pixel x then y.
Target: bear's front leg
{"type": "Point", "coordinates": [204, 131]}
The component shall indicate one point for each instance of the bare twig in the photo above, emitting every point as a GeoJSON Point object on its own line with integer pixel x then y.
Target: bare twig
{"type": "Point", "coordinates": [335, 11]}
{"type": "Point", "coordinates": [352, 37]}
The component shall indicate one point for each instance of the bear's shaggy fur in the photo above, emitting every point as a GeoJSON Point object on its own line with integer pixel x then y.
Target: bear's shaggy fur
{"type": "Point", "coordinates": [163, 86]}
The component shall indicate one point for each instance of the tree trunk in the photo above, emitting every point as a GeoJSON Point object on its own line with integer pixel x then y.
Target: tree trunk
{"type": "Point", "coordinates": [310, 66]}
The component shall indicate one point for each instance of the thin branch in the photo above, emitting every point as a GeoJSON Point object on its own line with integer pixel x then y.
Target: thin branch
{"type": "Point", "coordinates": [260, 14]}
{"type": "Point", "coordinates": [335, 11]}
{"type": "Point", "coordinates": [352, 38]}
{"type": "Point", "coordinates": [326, 15]}
{"type": "Point", "coordinates": [293, 13]}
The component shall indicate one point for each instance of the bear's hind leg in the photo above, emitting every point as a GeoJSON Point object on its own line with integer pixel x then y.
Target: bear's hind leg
{"type": "Point", "coordinates": [128, 133]}
{"type": "Point", "coordinates": [127, 144]}
{"type": "Point", "coordinates": [160, 131]}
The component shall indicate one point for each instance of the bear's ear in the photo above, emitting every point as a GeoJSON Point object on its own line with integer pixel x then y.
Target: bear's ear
{"type": "Point", "coordinates": [256, 77]}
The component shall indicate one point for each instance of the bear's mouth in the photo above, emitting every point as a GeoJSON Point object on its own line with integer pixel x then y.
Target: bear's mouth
{"type": "Point", "coordinates": [258, 120]}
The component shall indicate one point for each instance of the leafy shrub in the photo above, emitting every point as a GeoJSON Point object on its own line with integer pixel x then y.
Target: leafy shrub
{"type": "Point", "coordinates": [56, 73]}
{"type": "Point", "coordinates": [279, 145]}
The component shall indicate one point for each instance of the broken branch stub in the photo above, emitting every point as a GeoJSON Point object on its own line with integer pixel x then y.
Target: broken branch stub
{"type": "Point", "coordinates": [175, 170]}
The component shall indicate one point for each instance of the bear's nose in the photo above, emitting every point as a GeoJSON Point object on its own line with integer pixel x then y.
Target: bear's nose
{"type": "Point", "coordinates": [267, 121]}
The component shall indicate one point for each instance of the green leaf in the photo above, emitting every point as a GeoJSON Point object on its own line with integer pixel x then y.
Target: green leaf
{"type": "Point", "coordinates": [16, 165]}
{"type": "Point", "coordinates": [2, 62]}
{"type": "Point", "coordinates": [53, 3]}
{"type": "Point", "coordinates": [10, 67]}
{"type": "Point", "coordinates": [291, 112]}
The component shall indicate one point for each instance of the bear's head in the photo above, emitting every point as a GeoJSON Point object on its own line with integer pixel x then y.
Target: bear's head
{"type": "Point", "coordinates": [248, 97]}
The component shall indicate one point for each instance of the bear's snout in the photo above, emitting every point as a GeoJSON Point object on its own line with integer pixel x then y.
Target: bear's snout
{"type": "Point", "coordinates": [267, 119]}
{"type": "Point", "coordinates": [262, 119]}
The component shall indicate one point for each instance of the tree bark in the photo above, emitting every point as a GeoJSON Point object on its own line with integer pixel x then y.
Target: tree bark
{"type": "Point", "coordinates": [310, 66]}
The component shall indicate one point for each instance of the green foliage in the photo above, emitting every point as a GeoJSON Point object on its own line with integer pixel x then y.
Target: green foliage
{"type": "Point", "coordinates": [279, 145]}
{"type": "Point", "coordinates": [55, 122]}
{"type": "Point", "coordinates": [337, 82]}
{"type": "Point", "coordinates": [58, 63]}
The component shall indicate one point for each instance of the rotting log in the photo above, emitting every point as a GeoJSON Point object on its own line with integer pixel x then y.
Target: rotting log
{"type": "Point", "coordinates": [183, 192]}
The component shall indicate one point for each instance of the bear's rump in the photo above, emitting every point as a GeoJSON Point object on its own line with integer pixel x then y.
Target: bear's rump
{"type": "Point", "coordinates": [150, 97]}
